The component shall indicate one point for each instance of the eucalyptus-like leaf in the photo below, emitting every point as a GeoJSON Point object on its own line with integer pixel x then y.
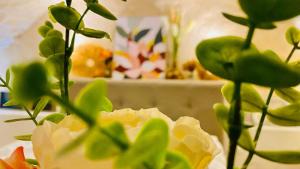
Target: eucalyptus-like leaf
{"type": "Point", "coordinates": [286, 157]}
{"type": "Point", "coordinates": [92, 99]}
{"type": "Point", "coordinates": [117, 133]}
{"type": "Point", "coordinates": [159, 37]}
{"type": "Point", "coordinates": [122, 32]}
{"type": "Point", "coordinates": [52, 45]}
{"type": "Point", "coordinates": [49, 24]}
{"type": "Point", "coordinates": [40, 106]}
{"type": "Point", "coordinates": [176, 161]}
{"type": "Point", "coordinates": [286, 116]}
{"type": "Point", "coordinates": [94, 33]}
{"type": "Point", "coordinates": [101, 10]}
{"type": "Point", "coordinates": [265, 70]}
{"type": "Point", "coordinates": [141, 34]}
{"type": "Point", "coordinates": [62, 3]}
{"type": "Point", "coordinates": [54, 33]}
{"type": "Point", "coordinates": [223, 115]}
{"type": "Point", "coordinates": [105, 145]}
{"type": "Point", "coordinates": [292, 35]}
{"type": "Point", "coordinates": [66, 16]}
{"type": "Point", "coordinates": [26, 137]}
{"type": "Point", "coordinates": [7, 76]}
{"type": "Point", "coordinates": [251, 99]}
{"type": "Point", "coordinates": [218, 55]}
{"type": "Point", "coordinates": [43, 30]}
{"type": "Point", "coordinates": [290, 95]}
{"type": "Point", "coordinates": [32, 161]}
{"type": "Point", "coordinates": [246, 22]}
{"type": "Point", "coordinates": [11, 102]}
{"type": "Point", "coordinates": [55, 118]}
{"type": "Point", "coordinates": [30, 82]}
{"type": "Point", "coordinates": [270, 10]}
{"type": "Point", "coordinates": [146, 151]}
{"type": "Point", "coordinates": [55, 64]}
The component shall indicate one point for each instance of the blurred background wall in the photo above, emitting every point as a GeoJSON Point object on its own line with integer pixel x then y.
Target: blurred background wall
{"type": "Point", "coordinates": [202, 19]}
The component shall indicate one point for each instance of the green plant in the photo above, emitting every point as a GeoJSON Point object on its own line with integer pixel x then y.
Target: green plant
{"type": "Point", "coordinates": [41, 82]}
{"type": "Point", "coordinates": [238, 60]}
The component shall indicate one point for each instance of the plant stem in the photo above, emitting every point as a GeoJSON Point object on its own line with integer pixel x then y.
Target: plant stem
{"type": "Point", "coordinates": [91, 122]}
{"type": "Point", "coordinates": [67, 54]}
{"type": "Point", "coordinates": [77, 26]}
{"type": "Point", "coordinates": [235, 127]}
{"type": "Point", "coordinates": [23, 106]}
{"type": "Point", "coordinates": [250, 34]}
{"type": "Point", "coordinates": [69, 107]}
{"type": "Point", "coordinates": [264, 114]}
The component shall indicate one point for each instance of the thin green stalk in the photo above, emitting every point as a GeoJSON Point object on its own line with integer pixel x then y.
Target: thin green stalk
{"type": "Point", "coordinates": [250, 34]}
{"type": "Point", "coordinates": [67, 54]}
{"type": "Point", "coordinates": [77, 26]}
{"type": "Point", "coordinates": [235, 129]}
{"type": "Point", "coordinates": [264, 114]}
{"type": "Point", "coordinates": [23, 106]}
{"type": "Point", "coordinates": [61, 86]}
{"type": "Point", "coordinates": [69, 107]}
{"type": "Point", "coordinates": [91, 122]}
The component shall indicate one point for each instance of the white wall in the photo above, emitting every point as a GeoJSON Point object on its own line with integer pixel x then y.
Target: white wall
{"type": "Point", "coordinates": [203, 17]}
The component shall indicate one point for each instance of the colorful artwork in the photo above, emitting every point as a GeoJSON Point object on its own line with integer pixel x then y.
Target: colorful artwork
{"type": "Point", "coordinates": [140, 48]}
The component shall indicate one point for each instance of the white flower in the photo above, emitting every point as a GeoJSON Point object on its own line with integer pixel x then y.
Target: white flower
{"type": "Point", "coordinates": [186, 137]}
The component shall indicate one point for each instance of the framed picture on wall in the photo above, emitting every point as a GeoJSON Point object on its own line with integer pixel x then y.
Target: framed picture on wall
{"type": "Point", "coordinates": [140, 48]}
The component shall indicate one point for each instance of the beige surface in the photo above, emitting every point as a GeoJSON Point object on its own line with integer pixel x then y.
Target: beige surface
{"type": "Point", "coordinates": [173, 97]}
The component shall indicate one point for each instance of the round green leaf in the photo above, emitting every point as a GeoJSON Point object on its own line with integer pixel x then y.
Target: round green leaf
{"type": "Point", "coordinates": [52, 45]}
{"type": "Point", "coordinates": [30, 82]}
{"type": "Point", "coordinates": [66, 16]}
{"type": "Point", "coordinates": [54, 33]}
{"type": "Point", "coordinates": [43, 30]}
{"type": "Point", "coordinates": [265, 70]}
{"type": "Point", "coordinates": [286, 116]}
{"type": "Point", "coordinates": [92, 98]}
{"type": "Point", "coordinates": [290, 95]}
{"type": "Point", "coordinates": [286, 157]}
{"type": "Point", "coordinates": [219, 54]}
{"type": "Point", "coordinates": [270, 10]}
{"type": "Point", "coordinates": [94, 33]}
{"type": "Point", "coordinates": [251, 99]}
{"type": "Point", "coordinates": [49, 24]}
{"type": "Point", "coordinates": [176, 161]}
{"type": "Point", "coordinates": [223, 115]}
{"type": "Point", "coordinates": [40, 106]}
{"type": "Point", "coordinates": [55, 64]}
{"type": "Point", "coordinates": [101, 146]}
{"type": "Point", "coordinates": [293, 35]}
{"type": "Point", "coordinates": [55, 118]}
{"type": "Point", "coordinates": [101, 10]}
{"type": "Point", "coordinates": [146, 150]}
{"type": "Point", "coordinates": [246, 22]}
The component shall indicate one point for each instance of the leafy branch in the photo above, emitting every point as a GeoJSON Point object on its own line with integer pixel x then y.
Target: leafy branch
{"type": "Point", "coordinates": [265, 112]}
{"type": "Point", "coordinates": [5, 83]}
{"type": "Point", "coordinates": [239, 61]}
